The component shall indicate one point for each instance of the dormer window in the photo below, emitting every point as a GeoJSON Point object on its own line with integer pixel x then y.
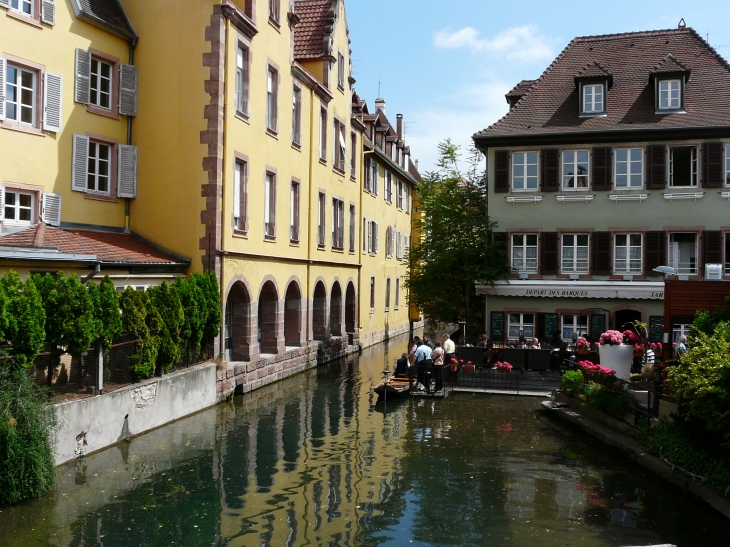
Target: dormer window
{"type": "Point", "coordinates": [670, 95]}
{"type": "Point", "coordinates": [593, 99]}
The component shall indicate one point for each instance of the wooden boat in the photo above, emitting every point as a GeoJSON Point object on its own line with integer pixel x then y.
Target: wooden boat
{"type": "Point", "coordinates": [393, 388]}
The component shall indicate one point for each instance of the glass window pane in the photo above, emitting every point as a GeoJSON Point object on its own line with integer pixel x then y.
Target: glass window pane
{"type": "Point", "coordinates": [25, 200]}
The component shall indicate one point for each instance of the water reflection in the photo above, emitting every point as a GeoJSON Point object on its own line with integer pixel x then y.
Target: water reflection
{"type": "Point", "coordinates": [314, 461]}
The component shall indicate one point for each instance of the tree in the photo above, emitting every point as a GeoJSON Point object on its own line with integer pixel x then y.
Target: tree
{"type": "Point", "coordinates": [25, 318]}
{"type": "Point", "coordinates": [106, 310]}
{"type": "Point", "coordinates": [452, 247]}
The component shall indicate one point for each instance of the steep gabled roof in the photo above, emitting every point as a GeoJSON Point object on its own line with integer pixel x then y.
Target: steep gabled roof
{"type": "Point", "coordinates": [311, 31]}
{"type": "Point", "coordinates": [593, 70]}
{"type": "Point", "coordinates": [520, 89]}
{"type": "Point", "coordinates": [552, 106]}
{"type": "Point", "coordinates": [670, 64]}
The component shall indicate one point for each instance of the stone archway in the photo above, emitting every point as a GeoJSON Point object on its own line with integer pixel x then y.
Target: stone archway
{"type": "Point", "coordinates": [319, 312]}
{"type": "Point", "coordinates": [238, 324]}
{"type": "Point", "coordinates": [350, 308]}
{"type": "Point", "coordinates": [336, 310]}
{"type": "Point", "coordinates": [268, 319]}
{"type": "Point", "coordinates": [293, 315]}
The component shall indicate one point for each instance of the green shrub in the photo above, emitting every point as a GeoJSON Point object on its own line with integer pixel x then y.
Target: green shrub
{"type": "Point", "coordinates": [701, 382]}
{"type": "Point", "coordinates": [573, 381]}
{"type": "Point", "coordinates": [211, 312]}
{"type": "Point", "coordinates": [134, 322]}
{"type": "Point", "coordinates": [105, 298]}
{"type": "Point", "coordinates": [166, 303]}
{"type": "Point", "coordinates": [26, 420]}
{"type": "Point", "coordinates": [609, 400]}
{"type": "Point", "coordinates": [194, 316]}
{"type": "Point", "coordinates": [26, 319]}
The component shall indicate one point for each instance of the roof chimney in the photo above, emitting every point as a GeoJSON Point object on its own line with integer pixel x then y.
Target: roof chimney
{"type": "Point", "coordinates": [416, 164]}
{"type": "Point", "coordinates": [380, 105]}
{"type": "Point", "coordinates": [399, 124]}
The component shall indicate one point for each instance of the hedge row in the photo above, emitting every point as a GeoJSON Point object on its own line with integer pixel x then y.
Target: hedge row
{"type": "Point", "coordinates": [66, 314]}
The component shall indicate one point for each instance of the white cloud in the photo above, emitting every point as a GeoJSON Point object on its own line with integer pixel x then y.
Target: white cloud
{"type": "Point", "coordinates": [471, 109]}
{"type": "Point", "coordinates": [516, 44]}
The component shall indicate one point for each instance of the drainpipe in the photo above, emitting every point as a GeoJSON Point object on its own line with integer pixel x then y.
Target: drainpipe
{"type": "Point", "coordinates": [309, 209]}
{"type": "Point", "coordinates": [219, 244]}
{"type": "Point", "coordinates": [128, 201]}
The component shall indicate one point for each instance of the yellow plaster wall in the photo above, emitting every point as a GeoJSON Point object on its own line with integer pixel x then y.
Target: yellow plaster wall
{"type": "Point", "coordinates": [46, 160]}
{"type": "Point", "coordinates": [169, 120]}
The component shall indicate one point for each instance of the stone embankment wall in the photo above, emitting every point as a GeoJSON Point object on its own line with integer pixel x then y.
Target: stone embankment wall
{"type": "Point", "coordinates": [248, 376]}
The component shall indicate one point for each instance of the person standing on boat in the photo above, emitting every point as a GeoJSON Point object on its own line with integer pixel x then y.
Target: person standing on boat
{"type": "Point", "coordinates": [423, 354]}
{"type": "Point", "coordinates": [449, 349]}
{"type": "Point", "coordinates": [427, 341]}
{"type": "Point", "coordinates": [438, 366]}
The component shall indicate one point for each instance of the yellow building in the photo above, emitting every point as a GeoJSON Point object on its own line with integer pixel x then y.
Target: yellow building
{"type": "Point", "coordinates": [227, 132]}
{"type": "Point", "coordinates": [68, 95]}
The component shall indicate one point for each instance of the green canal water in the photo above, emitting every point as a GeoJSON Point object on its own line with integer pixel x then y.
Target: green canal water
{"type": "Point", "coordinates": [315, 461]}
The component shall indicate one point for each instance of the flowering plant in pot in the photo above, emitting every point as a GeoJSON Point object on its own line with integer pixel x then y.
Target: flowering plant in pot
{"type": "Point", "coordinates": [638, 350]}
{"type": "Point", "coordinates": [454, 364]}
{"type": "Point", "coordinates": [615, 353]}
{"type": "Point", "coordinates": [468, 367]}
{"type": "Point", "coordinates": [582, 345]}
{"type": "Point", "coordinates": [503, 366]}
{"type": "Point", "coordinates": [631, 337]}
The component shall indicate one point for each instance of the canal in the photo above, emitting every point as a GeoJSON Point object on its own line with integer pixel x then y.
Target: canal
{"type": "Point", "coordinates": [314, 461]}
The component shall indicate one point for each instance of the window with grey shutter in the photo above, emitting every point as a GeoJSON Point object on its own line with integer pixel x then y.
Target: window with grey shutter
{"type": "Point", "coordinates": [53, 85]}
{"type": "Point", "coordinates": [601, 179]}
{"type": "Point", "coordinates": [83, 76]}
{"type": "Point", "coordinates": [128, 90]}
{"type": "Point", "coordinates": [127, 180]}
{"type": "Point", "coordinates": [2, 89]}
{"type": "Point", "coordinates": [80, 163]}
{"type": "Point", "coordinates": [549, 250]}
{"type": "Point", "coordinates": [550, 170]}
{"type": "Point", "coordinates": [48, 12]}
{"type": "Point", "coordinates": [601, 253]}
{"type": "Point", "coordinates": [711, 247]}
{"type": "Point", "coordinates": [655, 251]}
{"type": "Point", "coordinates": [2, 202]}
{"type": "Point", "coordinates": [4, 3]}
{"type": "Point", "coordinates": [52, 209]}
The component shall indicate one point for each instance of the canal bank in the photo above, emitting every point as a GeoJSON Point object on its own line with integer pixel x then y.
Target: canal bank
{"type": "Point", "coordinates": [315, 460]}
{"type": "Point", "coordinates": [91, 424]}
{"type": "Point", "coordinates": [638, 453]}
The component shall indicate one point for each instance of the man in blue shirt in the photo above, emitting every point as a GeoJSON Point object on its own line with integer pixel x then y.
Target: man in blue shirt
{"type": "Point", "coordinates": [423, 353]}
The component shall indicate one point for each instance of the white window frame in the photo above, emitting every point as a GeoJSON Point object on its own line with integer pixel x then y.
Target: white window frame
{"type": "Point", "coordinates": [372, 293]}
{"type": "Point", "coordinates": [270, 211]}
{"type": "Point", "coordinates": [694, 167]}
{"type": "Point", "coordinates": [524, 263]}
{"type": "Point", "coordinates": [95, 175]}
{"type": "Point", "coordinates": [387, 294]}
{"type": "Point", "coordinates": [524, 322]}
{"type": "Point", "coordinates": [338, 224]}
{"type": "Point", "coordinates": [19, 9]}
{"type": "Point", "coordinates": [19, 88]}
{"type": "Point", "coordinates": [673, 258]}
{"type": "Point", "coordinates": [575, 323]}
{"type": "Point", "coordinates": [242, 79]}
{"type": "Point", "coordinates": [580, 264]}
{"type": "Point", "coordinates": [726, 250]}
{"type": "Point", "coordinates": [396, 302]}
{"type": "Point", "coordinates": [589, 103]}
{"type": "Point", "coordinates": [340, 70]}
{"type": "Point", "coordinates": [524, 165]}
{"type": "Point", "coordinates": [17, 208]}
{"type": "Point", "coordinates": [631, 164]}
{"type": "Point", "coordinates": [272, 99]}
{"type": "Point", "coordinates": [321, 219]}
{"type": "Point", "coordinates": [566, 184]}
{"type": "Point", "coordinates": [628, 246]}
{"type": "Point", "coordinates": [680, 329]}
{"type": "Point", "coordinates": [672, 95]}
{"type": "Point", "coordinates": [98, 77]}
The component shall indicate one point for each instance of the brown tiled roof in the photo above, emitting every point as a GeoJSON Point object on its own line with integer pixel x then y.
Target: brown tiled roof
{"type": "Point", "coordinates": [109, 247]}
{"type": "Point", "coordinates": [670, 64]}
{"type": "Point", "coordinates": [309, 34]}
{"type": "Point", "coordinates": [520, 89]}
{"type": "Point", "coordinates": [551, 105]}
{"type": "Point", "coordinates": [109, 13]}
{"type": "Point", "coordinates": [592, 70]}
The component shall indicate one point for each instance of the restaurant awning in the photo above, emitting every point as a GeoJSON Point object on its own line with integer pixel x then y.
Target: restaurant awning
{"type": "Point", "coordinates": [638, 290]}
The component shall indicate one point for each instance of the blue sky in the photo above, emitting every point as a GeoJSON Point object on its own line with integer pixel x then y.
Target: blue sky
{"type": "Point", "coordinates": [447, 65]}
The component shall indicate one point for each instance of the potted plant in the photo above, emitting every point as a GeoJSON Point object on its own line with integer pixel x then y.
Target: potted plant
{"type": "Point", "coordinates": [468, 367]}
{"type": "Point", "coordinates": [638, 350]}
{"type": "Point", "coordinates": [583, 346]}
{"type": "Point", "coordinates": [615, 354]}
{"type": "Point", "coordinates": [503, 366]}
{"type": "Point", "coordinates": [454, 364]}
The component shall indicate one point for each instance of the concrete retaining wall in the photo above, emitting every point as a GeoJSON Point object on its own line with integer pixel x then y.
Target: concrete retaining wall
{"type": "Point", "coordinates": [88, 425]}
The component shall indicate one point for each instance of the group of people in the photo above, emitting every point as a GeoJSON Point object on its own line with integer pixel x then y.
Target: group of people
{"type": "Point", "coordinates": [426, 358]}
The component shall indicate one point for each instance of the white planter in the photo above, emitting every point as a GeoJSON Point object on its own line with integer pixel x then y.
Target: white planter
{"type": "Point", "coordinates": [618, 358]}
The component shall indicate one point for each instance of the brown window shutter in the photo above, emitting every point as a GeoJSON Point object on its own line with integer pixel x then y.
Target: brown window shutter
{"type": "Point", "coordinates": [501, 171]}
{"type": "Point", "coordinates": [712, 165]}
{"type": "Point", "coordinates": [550, 170]}
{"type": "Point", "coordinates": [711, 247]}
{"type": "Point", "coordinates": [601, 255]}
{"type": "Point", "coordinates": [500, 240]}
{"type": "Point", "coordinates": [602, 168]}
{"type": "Point", "coordinates": [549, 253]}
{"type": "Point", "coordinates": [655, 251]}
{"type": "Point", "coordinates": [540, 327]}
{"type": "Point", "coordinates": [656, 166]}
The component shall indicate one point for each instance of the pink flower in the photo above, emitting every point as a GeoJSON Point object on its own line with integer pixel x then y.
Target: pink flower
{"type": "Point", "coordinates": [612, 338]}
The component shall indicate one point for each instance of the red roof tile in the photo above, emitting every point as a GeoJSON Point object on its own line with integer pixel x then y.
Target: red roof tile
{"type": "Point", "coordinates": [551, 104]}
{"type": "Point", "coordinates": [109, 247]}
{"type": "Point", "coordinates": [309, 33]}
